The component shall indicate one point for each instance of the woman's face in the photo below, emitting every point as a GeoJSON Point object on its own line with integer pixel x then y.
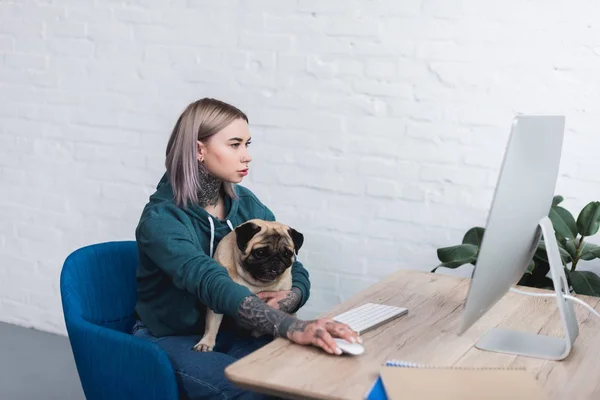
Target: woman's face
{"type": "Point", "coordinates": [225, 154]}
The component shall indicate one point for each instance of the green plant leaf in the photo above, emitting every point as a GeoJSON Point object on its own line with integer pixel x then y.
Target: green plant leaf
{"type": "Point", "coordinates": [570, 247]}
{"type": "Point", "coordinates": [585, 282]}
{"type": "Point", "coordinates": [474, 236]}
{"type": "Point", "coordinates": [596, 252]}
{"type": "Point", "coordinates": [589, 251]}
{"type": "Point", "coordinates": [557, 200]}
{"type": "Point", "coordinates": [563, 222]}
{"type": "Point", "coordinates": [588, 221]}
{"type": "Point", "coordinates": [530, 267]}
{"type": "Point", "coordinates": [455, 256]}
{"type": "Point", "coordinates": [542, 254]}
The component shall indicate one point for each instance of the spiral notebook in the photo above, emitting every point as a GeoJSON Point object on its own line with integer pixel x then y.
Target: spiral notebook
{"type": "Point", "coordinates": [399, 379]}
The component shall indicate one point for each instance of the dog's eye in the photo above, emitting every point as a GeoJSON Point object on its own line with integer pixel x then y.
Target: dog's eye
{"type": "Point", "coordinates": [287, 253]}
{"type": "Point", "coordinates": [259, 252]}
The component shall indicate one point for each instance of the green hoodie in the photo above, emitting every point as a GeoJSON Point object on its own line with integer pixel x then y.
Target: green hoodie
{"type": "Point", "coordinates": [176, 277]}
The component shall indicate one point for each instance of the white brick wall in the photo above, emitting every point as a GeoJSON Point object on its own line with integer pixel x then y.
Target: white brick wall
{"type": "Point", "coordinates": [379, 126]}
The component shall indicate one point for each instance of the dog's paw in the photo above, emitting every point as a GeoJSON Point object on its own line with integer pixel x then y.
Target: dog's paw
{"type": "Point", "coordinates": [204, 345]}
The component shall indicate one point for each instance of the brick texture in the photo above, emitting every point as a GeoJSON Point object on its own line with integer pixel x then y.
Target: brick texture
{"type": "Point", "coordinates": [379, 126]}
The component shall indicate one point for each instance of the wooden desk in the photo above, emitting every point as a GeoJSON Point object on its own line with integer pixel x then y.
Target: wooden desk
{"type": "Point", "coordinates": [427, 334]}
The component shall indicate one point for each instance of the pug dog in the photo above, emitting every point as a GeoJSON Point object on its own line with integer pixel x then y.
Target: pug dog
{"type": "Point", "coordinates": [257, 254]}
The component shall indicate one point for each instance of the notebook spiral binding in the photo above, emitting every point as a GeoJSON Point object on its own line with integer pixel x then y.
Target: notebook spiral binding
{"type": "Point", "coordinates": [407, 364]}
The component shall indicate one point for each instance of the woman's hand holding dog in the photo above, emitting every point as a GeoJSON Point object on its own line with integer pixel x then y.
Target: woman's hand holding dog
{"type": "Point", "coordinates": [284, 300]}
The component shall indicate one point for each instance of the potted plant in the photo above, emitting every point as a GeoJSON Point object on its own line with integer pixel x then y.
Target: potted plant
{"type": "Point", "coordinates": [571, 236]}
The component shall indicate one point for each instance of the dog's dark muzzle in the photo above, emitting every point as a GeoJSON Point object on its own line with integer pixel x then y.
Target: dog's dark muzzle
{"type": "Point", "coordinates": [272, 269]}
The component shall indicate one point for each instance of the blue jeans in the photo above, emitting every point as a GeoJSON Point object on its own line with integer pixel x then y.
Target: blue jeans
{"type": "Point", "coordinates": [202, 375]}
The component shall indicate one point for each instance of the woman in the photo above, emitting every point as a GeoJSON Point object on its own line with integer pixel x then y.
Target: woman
{"type": "Point", "coordinates": [196, 203]}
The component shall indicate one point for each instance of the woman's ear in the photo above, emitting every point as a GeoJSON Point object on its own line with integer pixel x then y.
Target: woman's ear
{"type": "Point", "coordinates": [201, 149]}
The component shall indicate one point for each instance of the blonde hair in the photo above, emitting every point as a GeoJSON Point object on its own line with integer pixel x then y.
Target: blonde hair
{"type": "Point", "coordinates": [199, 121]}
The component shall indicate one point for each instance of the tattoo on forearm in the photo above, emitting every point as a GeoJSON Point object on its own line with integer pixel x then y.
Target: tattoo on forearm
{"type": "Point", "coordinates": [256, 315]}
{"type": "Point", "coordinates": [291, 301]}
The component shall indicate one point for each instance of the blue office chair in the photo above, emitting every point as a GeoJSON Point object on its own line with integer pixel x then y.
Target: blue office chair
{"type": "Point", "coordinates": [98, 290]}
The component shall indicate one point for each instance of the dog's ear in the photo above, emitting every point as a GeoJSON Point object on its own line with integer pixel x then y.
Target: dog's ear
{"type": "Point", "coordinates": [297, 238]}
{"type": "Point", "coordinates": [244, 233]}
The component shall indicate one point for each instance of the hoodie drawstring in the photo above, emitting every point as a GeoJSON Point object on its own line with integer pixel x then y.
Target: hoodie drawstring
{"type": "Point", "coordinates": [212, 233]}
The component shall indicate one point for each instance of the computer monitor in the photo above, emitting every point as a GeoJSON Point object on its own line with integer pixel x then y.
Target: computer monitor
{"type": "Point", "coordinates": [517, 219]}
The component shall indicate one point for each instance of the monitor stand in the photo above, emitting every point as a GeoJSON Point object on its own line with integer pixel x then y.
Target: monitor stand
{"type": "Point", "coordinates": [531, 344]}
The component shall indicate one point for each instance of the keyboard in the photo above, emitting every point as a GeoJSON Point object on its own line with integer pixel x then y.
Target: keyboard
{"type": "Point", "coordinates": [369, 316]}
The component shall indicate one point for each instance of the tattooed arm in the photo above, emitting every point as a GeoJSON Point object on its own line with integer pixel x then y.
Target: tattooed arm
{"type": "Point", "coordinates": [284, 300]}
{"type": "Point", "coordinates": [291, 300]}
{"type": "Point", "coordinates": [256, 315]}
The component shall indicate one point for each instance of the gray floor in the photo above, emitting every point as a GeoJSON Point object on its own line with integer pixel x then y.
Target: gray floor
{"type": "Point", "coordinates": [36, 365]}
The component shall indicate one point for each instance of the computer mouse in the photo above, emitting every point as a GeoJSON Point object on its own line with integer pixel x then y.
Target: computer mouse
{"type": "Point", "coordinates": [347, 347]}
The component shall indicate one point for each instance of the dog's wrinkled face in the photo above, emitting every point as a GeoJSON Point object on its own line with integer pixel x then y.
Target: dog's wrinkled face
{"type": "Point", "coordinates": [267, 249]}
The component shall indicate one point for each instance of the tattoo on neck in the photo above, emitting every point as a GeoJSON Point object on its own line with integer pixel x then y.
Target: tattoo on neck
{"type": "Point", "coordinates": [256, 315]}
{"type": "Point", "coordinates": [291, 301]}
{"type": "Point", "coordinates": [210, 187]}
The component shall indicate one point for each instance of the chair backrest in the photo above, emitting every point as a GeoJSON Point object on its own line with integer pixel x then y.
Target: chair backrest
{"type": "Point", "coordinates": [98, 284]}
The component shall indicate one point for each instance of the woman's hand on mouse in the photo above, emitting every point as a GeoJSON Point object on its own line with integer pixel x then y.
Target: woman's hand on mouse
{"type": "Point", "coordinates": [320, 333]}
{"type": "Point", "coordinates": [254, 314]}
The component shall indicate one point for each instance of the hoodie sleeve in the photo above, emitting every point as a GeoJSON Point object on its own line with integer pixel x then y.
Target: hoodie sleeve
{"type": "Point", "coordinates": [300, 276]}
{"type": "Point", "coordinates": [168, 243]}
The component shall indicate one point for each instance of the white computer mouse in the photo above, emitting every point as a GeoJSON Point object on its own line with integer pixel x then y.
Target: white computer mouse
{"type": "Point", "coordinates": [347, 347]}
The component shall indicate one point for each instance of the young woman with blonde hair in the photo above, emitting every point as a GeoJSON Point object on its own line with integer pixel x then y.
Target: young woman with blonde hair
{"type": "Point", "coordinates": [197, 202]}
